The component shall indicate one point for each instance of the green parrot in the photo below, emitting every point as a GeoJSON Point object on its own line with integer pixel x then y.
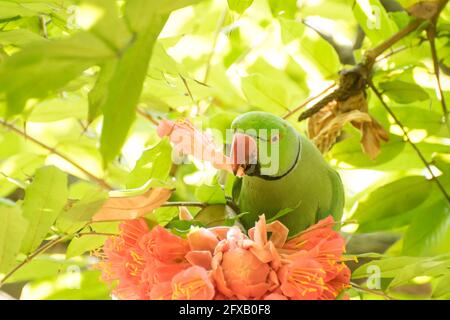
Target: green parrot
{"type": "Point", "coordinates": [278, 168]}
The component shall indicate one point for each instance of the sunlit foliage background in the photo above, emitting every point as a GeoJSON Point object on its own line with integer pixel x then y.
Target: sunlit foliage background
{"type": "Point", "coordinates": [69, 67]}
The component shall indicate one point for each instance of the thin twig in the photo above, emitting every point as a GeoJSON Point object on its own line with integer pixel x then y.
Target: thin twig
{"type": "Point", "coordinates": [185, 204]}
{"type": "Point", "coordinates": [375, 292]}
{"type": "Point", "coordinates": [30, 257]}
{"type": "Point", "coordinates": [105, 234]}
{"type": "Point", "coordinates": [431, 34]}
{"type": "Point", "coordinates": [309, 100]}
{"type": "Point", "coordinates": [188, 89]}
{"type": "Point", "coordinates": [147, 116]}
{"type": "Point", "coordinates": [413, 145]}
{"type": "Point", "coordinates": [98, 180]}
{"type": "Point", "coordinates": [43, 26]}
{"type": "Point", "coordinates": [372, 54]}
{"type": "Point", "coordinates": [214, 45]}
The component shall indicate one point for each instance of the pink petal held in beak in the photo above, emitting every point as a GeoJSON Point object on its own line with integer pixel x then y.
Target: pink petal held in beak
{"type": "Point", "coordinates": [244, 151]}
{"type": "Point", "coordinates": [190, 141]}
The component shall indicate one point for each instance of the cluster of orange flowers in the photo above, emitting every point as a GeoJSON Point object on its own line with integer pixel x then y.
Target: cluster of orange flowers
{"type": "Point", "coordinates": [224, 263]}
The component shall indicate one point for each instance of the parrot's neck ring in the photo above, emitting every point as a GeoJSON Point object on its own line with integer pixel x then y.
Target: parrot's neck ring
{"type": "Point", "coordinates": [294, 165]}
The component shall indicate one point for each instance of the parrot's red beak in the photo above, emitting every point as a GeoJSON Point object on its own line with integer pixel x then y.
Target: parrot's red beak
{"type": "Point", "coordinates": [244, 153]}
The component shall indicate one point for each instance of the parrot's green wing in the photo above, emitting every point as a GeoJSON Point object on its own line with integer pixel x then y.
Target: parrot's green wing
{"type": "Point", "coordinates": [338, 198]}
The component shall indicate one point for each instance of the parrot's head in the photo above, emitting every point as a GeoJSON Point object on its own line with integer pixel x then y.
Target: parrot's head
{"type": "Point", "coordinates": [264, 145]}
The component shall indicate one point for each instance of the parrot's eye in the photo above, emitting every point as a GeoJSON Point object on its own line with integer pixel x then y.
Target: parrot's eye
{"type": "Point", "coordinates": [275, 138]}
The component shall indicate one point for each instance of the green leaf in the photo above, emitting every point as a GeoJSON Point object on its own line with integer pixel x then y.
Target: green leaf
{"type": "Point", "coordinates": [12, 231]}
{"type": "Point", "coordinates": [86, 243]}
{"type": "Point", "coordinates": [215, 215]}
{"type": "Point", "coordinates": [374, 20]}
{"type": "Point", "coordinates": [59, 108]}
{"type": "Point", "coordinates": [20, 166]}
{"type": "Point", "coordinates": [44, 200]}
{"type": "Point", "coordinates": [419, 118]}
{"type": "Point", "coordinates": [284, 8]}
{"type": "Point", "coordinates": [139, 13]}
{"type": "Point", "coordinates": [431, 267]}
{"type": "Point", "coordinates": [280, 214]}
{"type": "Point", "coordinates": [308, 43]}
{"type": "Point", "coordinates": [69, 285]}
{"type": "Point", "coordinates": [44, 266]}
{"type": "Point", "coordinates": [392, 199]}
{"type": "Point", "coordinates": [15, 9]}
{"type": "Point", "coordinates": [443, 287]}
{"type": "Point", "coordinates": [239, 5]}
{"type": "Point", "coordinates": [125, 87]}
{"type": "Point", "coordinates": [211, 194]}
{"type": "Point", "coordinates": [109, 27]}
{"type": "Point", "coordinates": [19, 37]}
{"type": "Point", "coordinates": [429, 232]}
{"type": "Point", "coordinates": [442, 162]}
{"type": "Point", "coordinates": [255, 90]}
{"type": "Point", "coordinates": [78, 213]}
{"type": "Point", "coordinates": [349, 151]}
{"type": "Point", "coordinates": [97, 96]}
{"type": "Point", "coordinates": [155, 163]}
{"type": "Point", "coordinates": [403, 92]}
{"type": "Point", "coordinates": [53, 63]}
{"type": "Point", "coordinates": [162, 216]}
{"type": "Point", "coordinates": [388, 267]}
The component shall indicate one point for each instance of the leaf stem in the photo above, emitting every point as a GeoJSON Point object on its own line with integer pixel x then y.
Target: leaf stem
{"type": "Point", "coordinates": [375, 292]}
{"type": "Point", "coordinates": [30, 257]}
{"type": "Point", "coordinates": [220, 24]}
{"type": "Point", "coordinates": [309, 100]}
{"type": "Point", "coordinates": [94, 178]}
{"type": "Point", "coordinates": [413, 145]}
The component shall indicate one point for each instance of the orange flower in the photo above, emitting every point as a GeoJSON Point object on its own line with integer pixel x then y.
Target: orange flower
{"type": "Point", "coordinates": [190, 284]}
{"type": "Point", "coordinates": [275, 296]}
{"type": "Point", "coordinates": [138, 259]}
{"type": "Point", "coordinates": [164, 246]}
{"type": "Point", "coordinates": [325, 246]}
{"type": "Point", "coordinates": [156, 272]}
{"type": "Point", "coordinates": [189, 141]}
{"type": "Point", "coordinates": [237, 271]}
{"type": "Point", "coordinates": [336, 285]}
{"type": "Point", "coordinates": [302, 278]}
{"type": "Point", "coordinates": [202, 239]}
{"type": "Point", "coordinates": [123, 261]}
{"type": "Point", "coordinates": [224, 263]}
{"type": "Point", "coordinates": [312, 236]}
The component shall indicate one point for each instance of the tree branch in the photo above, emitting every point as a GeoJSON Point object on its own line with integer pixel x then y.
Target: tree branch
{"type": "Point", "coordinates": [91, 176]}
{"type": "Point", "coordinates": [413, 145]}
{"type": "Point", "coordinates": [185, 204]}
{"type": "Point", "coordinates": [431, 34]}
{"type": "Point", "coordinates": [30, 257]}
{"type": "Point", "coordinates": [104, 234]}
{"type": "Point", "coordinates": [372, 54]}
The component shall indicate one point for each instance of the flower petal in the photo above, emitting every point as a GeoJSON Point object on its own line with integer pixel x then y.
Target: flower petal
{"type": "Point", "coordinates": [129, 208]}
